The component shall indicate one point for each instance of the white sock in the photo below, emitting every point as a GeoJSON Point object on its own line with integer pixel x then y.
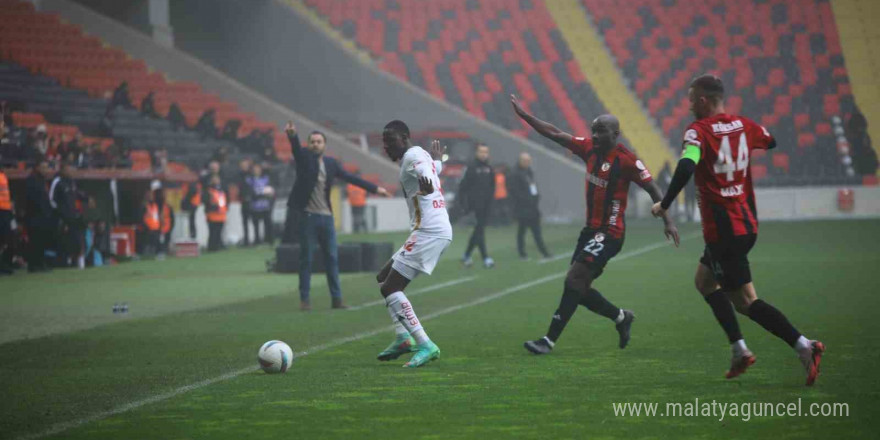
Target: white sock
{"type": "Point", "coordinates": [402, 311]}
{"type": "Point", "coordinates": [620, 317]}
{"type": "Point", "coordinates": [739, 347]}
{"type": "Point", "coordinates": [399, 329]}
{"type": "Point", "coordinates": [803, 344]}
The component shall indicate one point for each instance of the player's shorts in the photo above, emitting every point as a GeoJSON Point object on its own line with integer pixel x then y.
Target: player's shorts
{"type": "Point", "coordinates": [595, 249]}
{"type": "Point", "coordinates": [729, 260]}
{"type": "Point", "coordinates": [419, 254]}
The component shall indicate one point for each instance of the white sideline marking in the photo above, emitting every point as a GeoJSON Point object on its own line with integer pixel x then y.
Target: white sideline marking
{"type": "Point", "coordinates": [638, 251]}
{"type": "Point", "coordinates": [64, 426]}
{"type": "Point", "coordinates": [417, 292]}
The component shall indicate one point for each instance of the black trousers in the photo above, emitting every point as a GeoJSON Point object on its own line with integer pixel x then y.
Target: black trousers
{"type": "Point", "coordinates": [40, 237]}
{"type": "Point", "coordinates": [266, 219]}
{"type": "Point", "coordinates": [192, 223]}
{"type": "Point", "coordinates": [6, 239]}
{"type": "Point", "coordinates": [534, 224]}
{"type": "Point", "coordinates": [215, 236]}
{"type": "Point", "coordinates": [246, 216]}
{"type": "Point", "coordinates": [478, 237]}
{"type": "Point", "coordinates": [358, 218]}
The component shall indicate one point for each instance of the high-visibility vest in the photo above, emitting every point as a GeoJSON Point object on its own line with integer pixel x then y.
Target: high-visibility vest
{"type": "Point", "coordinates": [5, 198]}
{"type": "Point", "coordinates": [151, 216]}
{"type": "Point", "coordinates": [218, 200]}
{"type": "Point", "coordinates": [156, 222]}
{"type": "Point", "coordinates": [196, 198]}
{"type": "Point", "coordinates": [357, 196]}
{"type": "Point", "coordinates": [500, 186]}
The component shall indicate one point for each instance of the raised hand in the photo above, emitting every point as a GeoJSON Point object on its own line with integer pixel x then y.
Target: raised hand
{"type": "Point", "coordinates": [437, 151]}
{"type": "Point", "coordinates": [425, 186]}
{"type": "Point", "coordinates": [516, 106]}
{"type": "Point", "coordinates": [290, 128]}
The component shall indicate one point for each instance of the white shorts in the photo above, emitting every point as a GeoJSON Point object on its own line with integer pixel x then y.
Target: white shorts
{"type": "Point", "coordinates": [419, 254]}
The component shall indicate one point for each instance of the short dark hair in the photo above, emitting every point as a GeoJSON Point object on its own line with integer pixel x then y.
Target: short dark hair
{"type": "Point", "coordinates": [710, 86]}
{"type": "Point", "coordinates": [398, 126]}
{"type": "Point", "coordinates": [314, 132]}
{"type": "Point", "coordinates": [480, 144]}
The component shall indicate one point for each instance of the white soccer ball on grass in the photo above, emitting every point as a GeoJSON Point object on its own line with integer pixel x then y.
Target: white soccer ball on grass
{"type": "Point", "coordinates": [275, 357]}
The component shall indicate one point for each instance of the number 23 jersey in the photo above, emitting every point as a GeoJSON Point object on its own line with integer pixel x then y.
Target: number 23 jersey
{"type": "Point", "coordinates": [722, 175]}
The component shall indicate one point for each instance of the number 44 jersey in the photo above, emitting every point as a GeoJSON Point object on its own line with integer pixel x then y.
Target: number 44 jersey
{"type": "Point", "coordinates": [727, 199]}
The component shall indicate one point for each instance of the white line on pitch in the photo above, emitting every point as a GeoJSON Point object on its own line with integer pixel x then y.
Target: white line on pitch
{"type": "Point", "coordinates": [64, 426]}
{"type": "Point", "coordinates": [417, 292]}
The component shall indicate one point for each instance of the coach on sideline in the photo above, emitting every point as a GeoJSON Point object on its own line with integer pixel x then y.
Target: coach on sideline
{"type": "Point", "coordinates": [309, 206]}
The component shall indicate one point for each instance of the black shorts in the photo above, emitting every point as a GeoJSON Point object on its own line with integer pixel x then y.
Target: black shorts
{"type": "Point", "coordinates": [728, 260]}
{"type": "Point", "coordinates": [595, 249]}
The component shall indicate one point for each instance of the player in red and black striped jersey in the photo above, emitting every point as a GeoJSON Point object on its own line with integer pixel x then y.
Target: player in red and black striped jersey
{"type": "Point", "coordinates": [716, 150]}
{"type": "Point", "coordinates": [610, 169]}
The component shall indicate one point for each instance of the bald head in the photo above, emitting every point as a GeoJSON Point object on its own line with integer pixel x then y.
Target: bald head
{"type": "Point", "coordinates": [606, 129]}
{"type": "Point", "coordinates": [525, 160]}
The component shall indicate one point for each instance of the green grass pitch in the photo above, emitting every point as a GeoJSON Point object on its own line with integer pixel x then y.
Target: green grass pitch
{"type": "Point", "coordinates": [182, 363]}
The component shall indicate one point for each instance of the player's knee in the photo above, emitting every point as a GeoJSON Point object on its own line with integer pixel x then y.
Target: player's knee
{"type": "Point", "coordinates": [740, 301]}
{"type": "Point", "coordinates": [705, 285]}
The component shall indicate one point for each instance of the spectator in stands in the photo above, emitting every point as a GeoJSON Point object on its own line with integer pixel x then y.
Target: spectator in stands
{"type": "Point", "coordinates": [477, 191]}
{"type": "Point", "coordinates": [176, 118]}
{"type": "Point", "coordinates": [206, 124]}
{"type": "Point", "coordinates": [261, 201]}
{"type": "Point", "coordinates": [244, 195]}
{"type": "Point", "coordinates": [10, 146]}
{"type": "Point", "coordinates": [309, 209]}
{"type": "Point", "coordinates": [6, 217]}
{"type": "Point", "coordinates": [525, 198]}
{"type": "Point", "coordinates": [357, 199]}
{"type": "Point", "coordinates": [159, 158]}
{"type": "Point", "coordinates": [863, 155]}
{"type": "Point", "coordinates": [215, 198]}
{"type": "Point", "coordinates": [120, 98]}
{"type": "Point", "coordinates": [230, 130]}
{"type": "Point", "coordinates": [39, 216]}
{"type": "Point", "coordinates": [148, 106]}
{"type": "Point", "coordinates": [38, 143]}
{"type": "Point", "coordinates": [67, 201]}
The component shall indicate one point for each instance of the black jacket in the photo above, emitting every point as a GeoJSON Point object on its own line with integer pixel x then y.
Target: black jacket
{"type": "Point", "coordinates": [38, 209]}
{"type": "Point", "coordinates": [64, 199]}
{"type": "Point", "coordinates": [525, 204]}
{"type": "Point", "coordinates": [477, 187]}
{"type": "Point", "coordinates": [307, 169]}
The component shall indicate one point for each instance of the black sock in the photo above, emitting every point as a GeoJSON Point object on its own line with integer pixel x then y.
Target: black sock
{"type": "Point", "coordinates": [773, 321]}
{"type": "Point", "coordinates": [597, 303]}
{"type": "Point", "coordinates": [724, 313]}
{"type": "Point", "coordinates": [567, 306]}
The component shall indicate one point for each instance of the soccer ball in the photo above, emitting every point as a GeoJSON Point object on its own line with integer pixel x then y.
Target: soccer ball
{"type": "Point", "coordinates": [275, 357]}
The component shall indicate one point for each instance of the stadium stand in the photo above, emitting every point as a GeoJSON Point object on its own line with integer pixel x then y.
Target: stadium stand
{"type": "Point", "coordinates": [781, 61]}
{"type": "Point", "coordinates": [52, 68]}
{"type": "Point", "coordinates": [473, 54]}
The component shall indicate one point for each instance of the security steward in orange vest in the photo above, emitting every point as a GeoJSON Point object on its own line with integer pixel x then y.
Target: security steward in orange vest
{"type": "Point", "coordinates": [158, 222]}
{"type": "Point", "coordinates": [5, 226]}
{"type": "Point", "coordinates": [216, 206]}
{"type": "Point", "coordinates": [190, 204]}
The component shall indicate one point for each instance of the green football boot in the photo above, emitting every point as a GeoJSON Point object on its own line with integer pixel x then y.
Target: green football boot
{"type": "Point", "coordinates": [400, 346]}
{"type": "Point", "coordinates": [425, 353]}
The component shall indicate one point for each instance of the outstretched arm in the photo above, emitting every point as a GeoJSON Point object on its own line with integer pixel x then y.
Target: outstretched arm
{"type": "Point", "coordinates": [544, 128]}
{"type": "Point", "coordinates": [293, 137]}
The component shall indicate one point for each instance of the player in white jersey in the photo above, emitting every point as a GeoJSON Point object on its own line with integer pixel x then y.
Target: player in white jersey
{"type": "Point", "coordinates": [431, 235]}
